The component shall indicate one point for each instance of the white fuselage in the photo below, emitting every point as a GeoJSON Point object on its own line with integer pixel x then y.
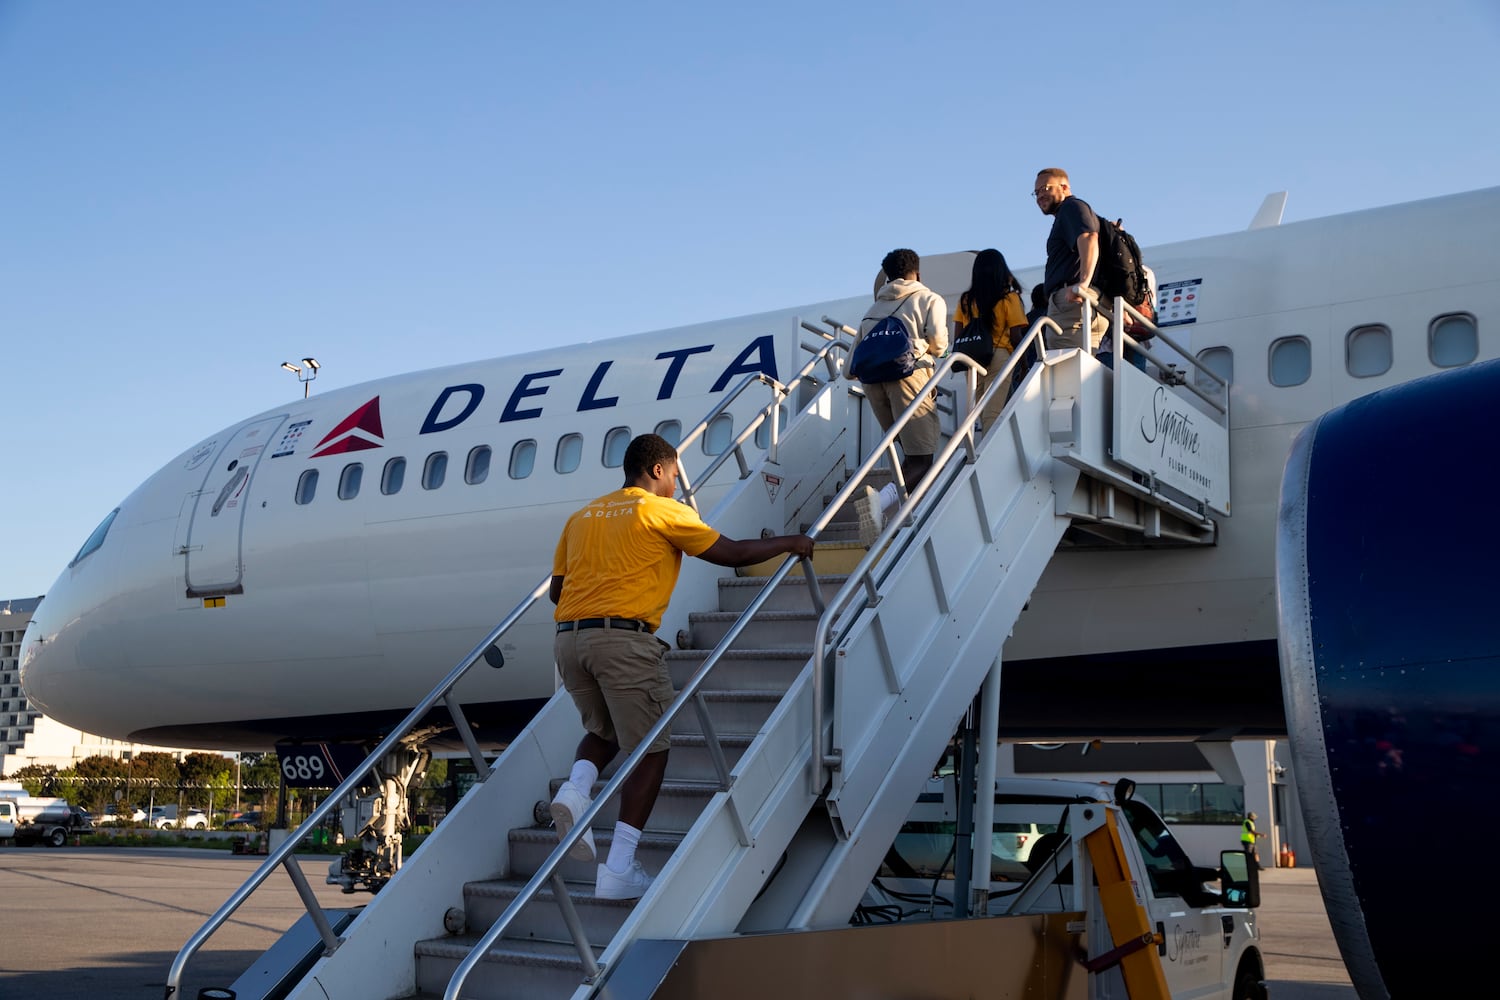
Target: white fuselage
{"type": "Point", "coordinates": [217, 600]}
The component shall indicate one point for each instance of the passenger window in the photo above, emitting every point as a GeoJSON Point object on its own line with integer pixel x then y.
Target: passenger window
{"type": "Point", "coordinates": [307, 486]}
{"type": "Point", "coordinates": [1368, 351]}
{"type": "Point", "coordinates": [716, 439]}
{"type": "Point", "coordinates": [392, 476]}
{"type": "Point", "coordinates": [1220, 361]}
{"type": "Point", "coordinates": [349, 480]}
{"type": "Point", "coordinates": [1453, 340]}
{"type": "Point", "coordinates": [1291, 361]}
{"type": "Point", "coordinates": [477, 468]}
{"type": "Point", "coordinates": [522, 459]}
{"type": "Point", "coordinates": [670, 431]}
{"type": "Point", "coordinates": [569, 453]}
{"type": "Point", "coordinates": [615, 443]}
{"type": "Point", "coordinates": [763, 432]}
{"type": "Point", "coordinates": [434, 470]}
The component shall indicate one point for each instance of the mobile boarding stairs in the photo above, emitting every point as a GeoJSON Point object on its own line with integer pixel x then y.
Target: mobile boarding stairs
{"type": "Point", "coordinates": [814, 696]}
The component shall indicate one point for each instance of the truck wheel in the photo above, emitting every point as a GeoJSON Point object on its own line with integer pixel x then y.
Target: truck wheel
{"type": "Point", "coordinates": [1247, 986]}
{"type": "Point", "coordinates": [57, 837]}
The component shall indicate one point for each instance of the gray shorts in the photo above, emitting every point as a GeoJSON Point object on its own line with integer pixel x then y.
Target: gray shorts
{"type": "Point", "coordinates": [619, 681]}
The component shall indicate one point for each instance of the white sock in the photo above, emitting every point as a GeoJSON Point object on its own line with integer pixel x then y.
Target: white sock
{"type": "Point", "coordinates": [889, 496]}
{"type": "Point", "coordinates": [622, 848]}
{"type": "Point", "coordinates": [583, 777]}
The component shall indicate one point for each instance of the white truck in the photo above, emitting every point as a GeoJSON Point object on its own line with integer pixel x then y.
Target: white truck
{"type": "Point", "coordinates": [29, 821]}
{"type": "Point", "coordinates": [1202, 919]}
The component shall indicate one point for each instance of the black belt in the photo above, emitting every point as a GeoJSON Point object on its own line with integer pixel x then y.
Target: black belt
{"type": "Point", "coordinates": [629, 624]}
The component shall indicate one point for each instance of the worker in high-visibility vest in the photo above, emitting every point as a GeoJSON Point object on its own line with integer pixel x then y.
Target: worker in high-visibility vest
{"type": "Point", "coordinates": [1248, 833]}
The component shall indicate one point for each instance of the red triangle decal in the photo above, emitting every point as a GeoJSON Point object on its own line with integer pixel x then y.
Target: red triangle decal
{"type": "Point", "coordinates": [350, 443]}
{"type": "Point", "coordinates": [366, 418]}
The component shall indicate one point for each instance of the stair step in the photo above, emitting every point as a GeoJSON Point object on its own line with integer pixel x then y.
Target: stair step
{"type": "Point", "coordinates": [678, 804]}
{"type": "Point", "coordinates": [736, 711]}
{"type": "Point", "coordinates": [741, 669]}
{"type": "Point", "coordinates": [736, 592]}
{"type": "Point", "coordinates": [530, 846]}
{"type": "Point", "coordinates": [541, 920]}
{"type": "Point", "coordinates": [767, 630]}
{"type": "Point", "coordinates": [512, 970]}
{"type": "Point", "coordinates": [828, 557]}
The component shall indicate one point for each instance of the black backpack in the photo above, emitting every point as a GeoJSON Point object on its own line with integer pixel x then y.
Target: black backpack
{"type": "Point", "coordinates": [886, 353]}
{"type": "Point", "coordinates": [1119, 273]}
{"type": "Point", "coordinates": [976, 340]}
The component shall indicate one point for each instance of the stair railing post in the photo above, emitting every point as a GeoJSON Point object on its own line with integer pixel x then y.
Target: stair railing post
{"type": "Point", "coordinates": [984, 810]}
{"type": "Point", "coordinates": [575, 927]}
{"type": "Point", "coordinates": [319, 918]}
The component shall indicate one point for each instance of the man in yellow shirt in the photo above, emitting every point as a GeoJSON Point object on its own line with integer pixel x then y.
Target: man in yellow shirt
{"type": "Point", "coordinates": [612, 578]}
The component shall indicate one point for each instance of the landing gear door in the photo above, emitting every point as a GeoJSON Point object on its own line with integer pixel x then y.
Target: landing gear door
{"type": "Point", "coordinates": [212, 548]}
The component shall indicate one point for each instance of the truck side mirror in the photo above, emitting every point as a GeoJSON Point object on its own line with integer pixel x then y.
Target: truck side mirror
{"type": "Point", "coordinates": [1239, 879]}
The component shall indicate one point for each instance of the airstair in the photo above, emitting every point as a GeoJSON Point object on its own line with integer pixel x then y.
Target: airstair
{"type": "Point", "coordinates": [814, 696]}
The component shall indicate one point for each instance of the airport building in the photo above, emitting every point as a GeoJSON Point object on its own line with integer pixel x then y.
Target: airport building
{"type": "Point", "coordinates": [27, 736]}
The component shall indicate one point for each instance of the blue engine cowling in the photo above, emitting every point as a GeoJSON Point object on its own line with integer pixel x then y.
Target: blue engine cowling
{"type": "Point", "coordinates": [1387, 562]}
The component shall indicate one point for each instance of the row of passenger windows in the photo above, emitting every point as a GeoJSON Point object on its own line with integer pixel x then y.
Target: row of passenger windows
{"type": "Point", "coordinates": [567, 457]}
{"type": "Point", "coordinates": [1452, 340]}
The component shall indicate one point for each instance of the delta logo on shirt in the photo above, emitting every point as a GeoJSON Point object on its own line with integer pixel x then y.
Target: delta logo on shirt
{"type": "Point", "coordinates": [359, 431]}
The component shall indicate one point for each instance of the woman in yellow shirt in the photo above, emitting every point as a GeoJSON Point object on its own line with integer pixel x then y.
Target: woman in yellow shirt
{"type": "Point", "coordinates": [994, 295]}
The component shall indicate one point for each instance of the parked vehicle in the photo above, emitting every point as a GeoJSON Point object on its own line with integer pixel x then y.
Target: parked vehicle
{"type": "Point", "coordinates": [1210, 945]}
{"type": "Point", "coordinates": [252, 820]}
{"type": "Point", "coordinates": [113, 815]}
{"type": "Point", "coordinates": [29, 821]}
{"type": "Point", "coordinates": [165, 818]}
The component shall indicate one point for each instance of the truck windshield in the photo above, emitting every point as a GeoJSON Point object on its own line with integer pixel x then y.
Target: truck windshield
{"type": "Point", "coordinates": [1160, 850]}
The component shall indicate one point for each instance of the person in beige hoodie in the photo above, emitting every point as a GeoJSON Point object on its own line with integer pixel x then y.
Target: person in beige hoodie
{"type": "Point", "coordinates": [925, 315]}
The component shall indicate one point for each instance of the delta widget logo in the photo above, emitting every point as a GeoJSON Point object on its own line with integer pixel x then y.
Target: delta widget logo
{"type": "Point", "coordinates": [359, 431]}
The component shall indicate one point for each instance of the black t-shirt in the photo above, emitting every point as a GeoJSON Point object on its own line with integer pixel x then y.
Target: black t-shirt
{"type": "Point", "coordinates": [1073, 218]}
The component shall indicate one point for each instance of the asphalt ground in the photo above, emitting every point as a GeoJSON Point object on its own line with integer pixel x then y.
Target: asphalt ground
{"type": "Point", "coordinates": [105, 923]}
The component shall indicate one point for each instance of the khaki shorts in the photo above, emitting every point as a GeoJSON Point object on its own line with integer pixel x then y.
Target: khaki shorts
{"type": "Point", "coordinates": [888, 400]}
{"type": "Point", "coordinates": [1069, 315]}
{"type": "Point", "coordinates": [619, 682]}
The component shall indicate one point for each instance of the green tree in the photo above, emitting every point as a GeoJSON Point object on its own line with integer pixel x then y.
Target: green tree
{"type": "Point", "coordinates": [97, 778]}
{"type": "Point", "coordinates": [260, 778]}
{"type": "Point", "coordinates": [205, 776]}
{"type": "Point", "coordinates": [37, 779]}
{"type": "Point", "coordinates": [154, 766]}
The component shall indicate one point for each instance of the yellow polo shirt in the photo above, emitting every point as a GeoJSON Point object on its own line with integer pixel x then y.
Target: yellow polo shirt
{"type": "Point", "coordinates": [619, 556]}
{"type": "Point", "coordinates": [1008, 313]}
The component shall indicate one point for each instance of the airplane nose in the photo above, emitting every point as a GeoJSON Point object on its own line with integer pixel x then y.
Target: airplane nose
{"type": "Point", "coordinates": [76, 649]}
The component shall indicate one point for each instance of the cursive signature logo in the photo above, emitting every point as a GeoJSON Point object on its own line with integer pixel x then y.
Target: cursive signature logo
{"type": "Point", "coordinates": [1168, 425]}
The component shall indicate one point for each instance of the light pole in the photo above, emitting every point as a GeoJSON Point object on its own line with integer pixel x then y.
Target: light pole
{"type": "Point", "coordinates": [305, 372]}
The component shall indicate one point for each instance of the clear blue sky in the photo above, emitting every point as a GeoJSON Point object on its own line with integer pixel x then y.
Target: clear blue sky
{"type": "Point", "coordinates": [192, 193]}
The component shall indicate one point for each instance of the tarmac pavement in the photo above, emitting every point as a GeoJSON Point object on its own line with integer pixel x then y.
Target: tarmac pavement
{"type": "Point", "coordinates": [105, 923]}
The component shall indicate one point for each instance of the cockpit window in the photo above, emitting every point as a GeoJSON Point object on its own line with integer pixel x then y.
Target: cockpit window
{"type": "Point", "coordinates": [95, 540]}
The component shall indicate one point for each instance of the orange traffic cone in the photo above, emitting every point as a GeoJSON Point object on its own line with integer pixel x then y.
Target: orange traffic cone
{"type": "Point", "coordinates": [1288, 858]}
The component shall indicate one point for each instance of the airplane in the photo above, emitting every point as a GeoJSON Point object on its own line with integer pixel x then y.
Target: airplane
{"type": "Point", "coordinates": [307, 573]}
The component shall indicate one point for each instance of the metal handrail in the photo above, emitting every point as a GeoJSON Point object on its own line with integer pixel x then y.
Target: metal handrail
{"type": "Point", "coordinates": [283, 855]}
{"type": "Point", "coordinates": [861, 579]}
{"type": "Point", "coordinates": [1118, 332]}
{"type": "Point", "coordinates": [547, 871]}
{"type": "Point", "coordinates": [820, 353]}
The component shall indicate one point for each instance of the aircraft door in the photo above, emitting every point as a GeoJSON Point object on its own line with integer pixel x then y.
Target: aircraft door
{"type": "Point", "coordinates": [212, 549]}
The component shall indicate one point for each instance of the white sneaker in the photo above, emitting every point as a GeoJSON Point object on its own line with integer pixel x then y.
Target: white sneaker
{"type": "Point", "coordinates": [617, 885]}
{"type": "Point", "coordinates": [871, 516]}
{"type": "Point", "coordinates": [567, 806]}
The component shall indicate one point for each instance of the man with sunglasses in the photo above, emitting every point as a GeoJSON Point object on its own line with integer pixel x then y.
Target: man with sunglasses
{"type": "Point", "coordinates": [1072, 254]}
